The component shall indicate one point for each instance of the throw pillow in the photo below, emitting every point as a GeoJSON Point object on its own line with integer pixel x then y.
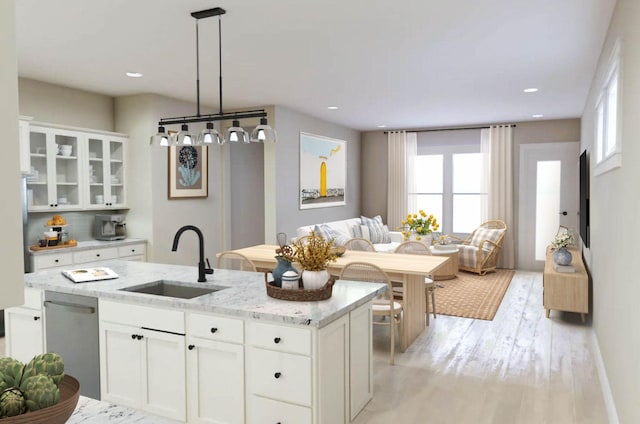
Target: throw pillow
{"type": "Point", "coordinates": [485, 234]}
{"type": "Point", "coordinates": [378, 232]}
{"type": "Point", "coordinates": [356, 231]}
{"type": "Point", "coordinates": [329, 234]}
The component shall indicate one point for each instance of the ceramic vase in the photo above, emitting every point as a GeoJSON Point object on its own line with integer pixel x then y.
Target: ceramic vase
{"type": "Point", "coordinates": [426, 239]}
{"type": "Point", "coordinates": [562, 256]}
{"type": "Point", "coordinates": [313, 280]}
{"type": "Point", "coordinates": [282, 267]}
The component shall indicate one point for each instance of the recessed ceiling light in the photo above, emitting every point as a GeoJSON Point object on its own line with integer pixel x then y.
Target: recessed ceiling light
{"type": "Point", "coordinates": [332, 107]}
{"type": "Point", "coordinates": [530, 90]}
{"type": "Point", "coordinates": [134, 74]}
{"type": "Point", "coordinates": [537, 115]}
{"type": "Point", "coordinates": [382, 126]}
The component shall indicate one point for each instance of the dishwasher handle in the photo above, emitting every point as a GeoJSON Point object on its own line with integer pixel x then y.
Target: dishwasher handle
{"type": "Point", "coordinates": [71, 307]}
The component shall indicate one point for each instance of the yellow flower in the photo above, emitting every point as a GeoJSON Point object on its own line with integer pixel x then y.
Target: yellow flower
{"type": "Point", "coordinates": [403, 222]}
{"type": "Point", "coordinates": [422, 213]}
{"type": "Point", "coordinates": [419, 229]}
{"type": "Point", "coordinates": [408, 216]}
{"type": "Point", "coordinates": [418, 238]}
{"type": "Point", "coordinates": [431, 216]}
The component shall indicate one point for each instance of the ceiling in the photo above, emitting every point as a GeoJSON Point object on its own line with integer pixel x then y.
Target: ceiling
{"type": "Point", "coordinates": [404, 64]}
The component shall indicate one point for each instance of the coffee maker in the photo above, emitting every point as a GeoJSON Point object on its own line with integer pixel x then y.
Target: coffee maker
{"type": "Point", "coordinates": [110, 227]}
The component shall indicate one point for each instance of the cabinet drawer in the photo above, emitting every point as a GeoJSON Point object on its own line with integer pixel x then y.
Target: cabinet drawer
{"type": "Point", "coordinates": [52, 261]}
{"type": "Point", "coordinates": [132, 250]}
{"type": "Point", "coordinates": [32, 298]}
{"type": "Point", "coordinates": [95, 255]}
{"type": "Point", "coordinates": [270, 411]}
{"type": "Point", "coordinates": [215, 328]}
{"type": "Point", "coordinates": [142, 316]}
{"type": "Point", "coordinates": [280, 338]}
{"type": "Point", "coordinates": [280, 376]}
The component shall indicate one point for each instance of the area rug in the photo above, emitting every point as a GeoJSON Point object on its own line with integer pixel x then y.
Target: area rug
{"type": "Point", "coordinates": [471, 295]}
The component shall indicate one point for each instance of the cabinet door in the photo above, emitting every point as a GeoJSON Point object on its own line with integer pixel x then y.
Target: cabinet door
{"type": "Point", "coordinates": [24, 334]}
{"type": "Point", "coordinates": [120, 364]}
{"type": "Point", "coordinates": [23, 134]}
{"type": "Point", "coordinates": [105, 172]}
{"type": "Point", "coordinates": [215, 382]}
{"type": "Point", "coordinates": [55, 183]}
{"type": "Point", "coordinates": [163, 374]}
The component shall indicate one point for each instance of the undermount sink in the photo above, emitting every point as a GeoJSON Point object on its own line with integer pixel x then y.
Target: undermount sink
{"type": "Point", "coordinates": [172, 289]}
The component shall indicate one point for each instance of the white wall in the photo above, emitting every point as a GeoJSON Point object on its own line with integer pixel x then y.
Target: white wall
{"type": "Point", "coordinates": [62, 105]}
{"type": "Point", "coordinates": [12, 283]}
{"type": "Point", "coordinates": [285, 197]}
{"type": "Point", "coordinates": [615, 226]}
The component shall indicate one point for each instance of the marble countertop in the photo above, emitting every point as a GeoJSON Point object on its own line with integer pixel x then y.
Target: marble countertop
{"type": "Point", "coordinates": [243, 295]}
{"type": "Point", "coordinates": [88, 245]}
{"type": "Point", "coordinates": [91, 411]}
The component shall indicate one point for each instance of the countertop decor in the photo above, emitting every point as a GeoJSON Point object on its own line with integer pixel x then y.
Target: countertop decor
{"type": "Point", "coordinates": [88, 245]}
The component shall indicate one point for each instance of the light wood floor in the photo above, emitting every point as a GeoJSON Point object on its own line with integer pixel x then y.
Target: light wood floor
{"type": "Point", "coordinates": [519, 368]}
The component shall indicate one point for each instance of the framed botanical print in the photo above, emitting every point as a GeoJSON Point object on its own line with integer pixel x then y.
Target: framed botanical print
{"type": "Point", "coordinates": [323, 171]}
{"type": "Point", "coordinates": [188, 172]}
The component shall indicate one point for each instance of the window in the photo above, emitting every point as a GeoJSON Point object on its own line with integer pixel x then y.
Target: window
{"type": "Point", "coordinates": [607, 118]}
{"type": "Point", "coordinates": [447, 182]}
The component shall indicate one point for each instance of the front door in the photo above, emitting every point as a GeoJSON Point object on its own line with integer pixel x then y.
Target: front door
{"type": "Point", "coordinates": [548, 198]}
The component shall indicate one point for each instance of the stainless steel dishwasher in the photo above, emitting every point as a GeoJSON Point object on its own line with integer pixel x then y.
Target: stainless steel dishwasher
{"type": "Point", "coordinates": [71, 323]}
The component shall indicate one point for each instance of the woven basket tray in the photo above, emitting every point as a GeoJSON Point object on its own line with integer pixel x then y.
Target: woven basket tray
{"type": "Point", "coordinates": [300, 295]}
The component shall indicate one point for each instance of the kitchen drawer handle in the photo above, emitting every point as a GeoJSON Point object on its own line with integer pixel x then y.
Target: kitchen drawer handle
{"type": "Point", "coordinates": [56, 261]}
{"type": "Point", "coordinates": [191, 347]}
{"type": "Point", "coordinates": [133, 336]}
{"type": "Point", "coordinates": [277, 375]}
{"type": "Point", "coordinates": [214, 330]}
{"type": "Point", "coordinates": [139, 337]}
{"type": "Point", "coordinates": [36, 318]}
{"type": "Point", "coordinates": [276, 340]}
{"type": "Point", "coordinates": [71, 307]}
{"type": "Point", "coordinates": [97, 254]}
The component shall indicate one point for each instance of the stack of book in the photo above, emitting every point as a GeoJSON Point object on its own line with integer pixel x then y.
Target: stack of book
{"type": "Point", "coordinates": [564, 268]}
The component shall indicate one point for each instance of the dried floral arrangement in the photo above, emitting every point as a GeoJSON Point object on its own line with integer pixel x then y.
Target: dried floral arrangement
{"type": "Point", "coordinates": [313, 253]}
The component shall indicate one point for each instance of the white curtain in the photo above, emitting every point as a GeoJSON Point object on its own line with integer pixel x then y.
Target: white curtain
{"type": "Point", "coordinates": [497, 146]}
{"type": "Point", "coordinates": [402, 146]}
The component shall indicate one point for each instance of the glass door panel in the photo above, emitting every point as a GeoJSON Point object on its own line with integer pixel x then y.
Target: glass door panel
{"type": "Point", "coordinates": [548, 183]}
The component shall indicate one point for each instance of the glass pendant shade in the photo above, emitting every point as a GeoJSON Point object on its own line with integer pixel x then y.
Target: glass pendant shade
{"type": "Point", "coordinates": [185, 138]}
{"type": "Point", "coordinates": [263, 133]}
{"type": "Point", "coordinates": [236, 133]}
{"type": "Point", "coordinates": [160, 139]}
{"type": "Point", "coordinates": [210, 136]}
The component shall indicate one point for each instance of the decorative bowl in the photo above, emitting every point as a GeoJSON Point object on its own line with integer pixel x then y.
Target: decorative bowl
{"type": "Point", "coordinates": [56, 414]}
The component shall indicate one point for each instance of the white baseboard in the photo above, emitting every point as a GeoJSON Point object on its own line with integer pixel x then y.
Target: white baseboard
{"type": "Point", "coordinates": [612, 413]}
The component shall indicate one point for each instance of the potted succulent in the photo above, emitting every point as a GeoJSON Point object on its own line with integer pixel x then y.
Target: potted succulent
{"type": "Point", "coordinates": [313, 254]}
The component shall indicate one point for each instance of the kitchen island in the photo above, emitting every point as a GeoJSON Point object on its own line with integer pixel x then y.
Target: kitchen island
{"type": "Point", "coordinates": [234, 355]}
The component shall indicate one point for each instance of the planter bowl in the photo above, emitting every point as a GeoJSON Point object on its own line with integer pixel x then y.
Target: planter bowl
{"type": "Point", "coordinates": [56, 414]}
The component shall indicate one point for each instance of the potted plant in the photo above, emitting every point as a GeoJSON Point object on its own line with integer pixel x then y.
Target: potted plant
{"type": "Point", "coordinates": [420, 226]}
{"type": "Point", "coordinates": [561, 241]}
{"type": "Point", "coordinates": [313, 254]}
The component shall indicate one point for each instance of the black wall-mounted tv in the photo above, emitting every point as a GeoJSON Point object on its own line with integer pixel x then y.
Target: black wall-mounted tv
{"type": "Point", "coordinates": [584, 198]}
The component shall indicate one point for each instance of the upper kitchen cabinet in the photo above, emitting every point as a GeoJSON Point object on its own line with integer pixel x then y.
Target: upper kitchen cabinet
{"type": "Point", "coordinates": [55, 171]}
{"type": "Point", "coordinates": [106, 159]}
{"type": "Point", "coordinates": [74, 169]}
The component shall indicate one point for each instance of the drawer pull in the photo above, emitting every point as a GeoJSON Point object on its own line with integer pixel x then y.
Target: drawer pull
{"type": "Point", "coordinates": [276, 340]}
{"type": "Point", "coordinates": [36, 318]}
{"type": "Point", "coordinates": [277, 375]}
{"type": "Point", "coordinates": [97, 254]}
{"type": "Point", "coordinates": [133, 336]}
{"type": "Point", "coordinates": [56, 261]}
{"type": "Point", "coordinates": [139, 337]}
{"type": "Point", "coordinates": [191, 347]}
{"type": "Point", "coordinates": [214, 330]}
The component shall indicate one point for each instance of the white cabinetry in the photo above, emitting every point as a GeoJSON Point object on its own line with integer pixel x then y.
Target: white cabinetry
{"type": "Point", "coordinates": [91, 177]}
{"type": "Point", "coordinates": [24, 324]}
{"type": "Point", "coordinates": [215, 369]}
{"type": "Point", "coordinates": [105, 171]}
{"type": "Point", "coordinates": [59, 259]}
{"type": "Point", "coordinates": [23, 136]}
{"type": "Point", "coordinates": [142, 358]}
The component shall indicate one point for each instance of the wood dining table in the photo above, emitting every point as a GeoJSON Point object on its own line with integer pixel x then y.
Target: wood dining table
{"type": "Point", "coordinates": [410, 270]}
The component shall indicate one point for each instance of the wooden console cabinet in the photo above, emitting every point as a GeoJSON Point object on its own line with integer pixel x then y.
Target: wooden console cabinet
{"type": "Point", "coordinates": [566, 291]}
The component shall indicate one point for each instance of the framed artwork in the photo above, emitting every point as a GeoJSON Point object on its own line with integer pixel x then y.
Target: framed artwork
{"type": "Point", "coordinates": [323, 171]}
{"type": "Point", "coordinates": [188, 172]}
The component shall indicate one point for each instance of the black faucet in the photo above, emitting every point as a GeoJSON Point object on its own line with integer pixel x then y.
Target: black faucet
{"type": "Point", "coordinates": [201, 268]}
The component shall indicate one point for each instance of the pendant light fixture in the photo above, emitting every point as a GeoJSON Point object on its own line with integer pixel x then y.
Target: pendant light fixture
{"type": "Point", "coordinates": [262, 133]}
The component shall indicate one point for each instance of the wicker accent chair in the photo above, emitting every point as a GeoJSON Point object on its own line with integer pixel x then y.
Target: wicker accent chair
{"type": "Point", "coordinates": [235, 261]}
{"type": "Point", "coordinates": [384, 306]}
{"type": "Point", "coordinates": [361, 244]}
{"type": "Point", "coordinates": [413, 247]}
{"type": "Point", "coordinates": [480, 251]}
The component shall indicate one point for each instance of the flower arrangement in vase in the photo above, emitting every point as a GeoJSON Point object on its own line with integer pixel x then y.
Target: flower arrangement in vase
{"type": "Point", "coordinates": [314, 253]}
{"type": "Point", "coordinates": [419, 224]}
{"type": "Point", "coordinates": [561, 241]}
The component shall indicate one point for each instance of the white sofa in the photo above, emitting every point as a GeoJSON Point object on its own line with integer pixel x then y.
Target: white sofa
{"type": "Point", "coordinates": [345, 229]}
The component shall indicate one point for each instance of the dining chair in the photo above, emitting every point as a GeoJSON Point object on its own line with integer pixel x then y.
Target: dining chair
{"type": "Point", "coordinates": [413, 247]}
{"type": "Point", "coordinates": [384, 306]}
{"type": "Point", "coordinates": [359, 243]}
{"type": "Point", "coordinates": [235, 261]}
